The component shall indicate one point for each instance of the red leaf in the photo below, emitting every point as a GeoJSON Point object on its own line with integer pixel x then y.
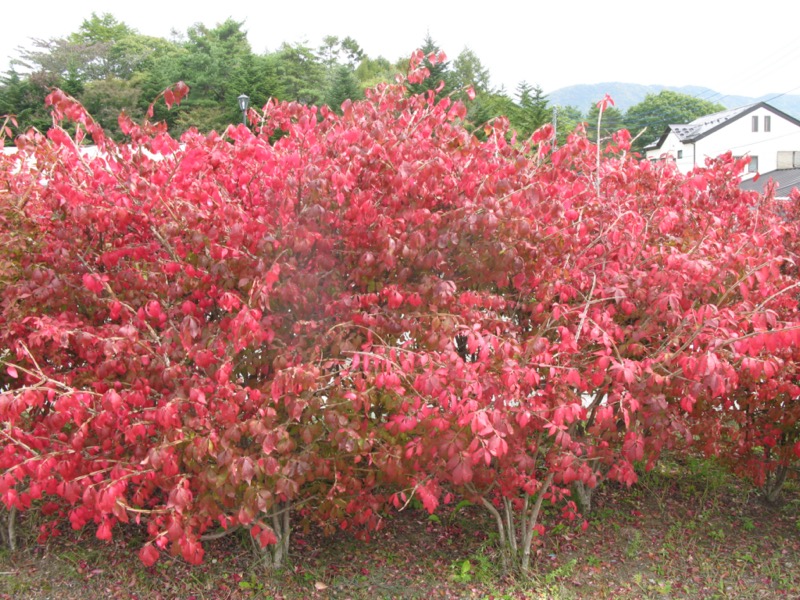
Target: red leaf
{"type": "Point", "coordinates": [248, 470]}
{"type": "Point", "coordinates": [149, 554]}
{"type": "Point", "coordinates": [180, 90]}
{"type": "Point", "coordinates": [93, 283]}
{"type": "Point", "coordinates": [245, 515]}
{"type": "Point", "coordinates": [497, 446]}
{"type": "Point", "coordinates": [104, 530]}
{"type": "Point", "coordinates": [481, 425]}
{"type": "Point", "coordinates": [605, 102]}
{"type": "Point", "coordinates": [461, 470]}
{"type": "Point", "coordinates": [264, 535]}
{"type": "Point", "coordinates": [192, 551]}
{"type": "Point", "coordinates": [633, 446]}
{"type": "Point", "coordinates": [429, 499]}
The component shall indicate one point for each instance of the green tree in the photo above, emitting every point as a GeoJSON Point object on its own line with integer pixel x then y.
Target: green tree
{"type": "Point", "coordinates": [329, 53]}
{"type": "Point", "coordinates": [214, 55]}
{"type": "Point", "coordinates": [218, 65]}
{"type": "Point", "coordinates": [163, 70]}
{"type": "Point", "coordinates": [353, 53]}
{"type": "Point", "coordinates": [566, 120]}
{"type": "Point", "coordinates": [344, 86]}
{"type": "Point", "coordinates": [105, 99]}
{"type": "Point", "coordinates": [651, 116]}
{"type": "Point", "coordinates": [487, 106]}
{"type": "Point", "coordinates": [468, 70]}
{"type": "Point", "coordinates": [531, 110]}
{"type": "Point", "coordinates": [257, 77]}
{"type": "Point", "coordinates": [101, 29]}
{"type": "Point", "coordinates": [85, 55]}
{"type": "Point", "coordinates": [21, 98]}
{"type": "Point", "coordinates": [301, 74]}
{"type": "Point", "coordinates": [57, 62]}
{"type": "Point", "coordinates": [440, 72]}
{"type": "Point", "coordinates": [115, 78]}
{"type": "Point", "coordinates": [339, 59]}
{"type": "Point", "coordinates": [137, 54]}
{"type": "Point", "coordinates": [372, 71]}
{"type": "Point", "coordinates": [104, 64]}
{"type": "Point", "coordinates": [99, 35]}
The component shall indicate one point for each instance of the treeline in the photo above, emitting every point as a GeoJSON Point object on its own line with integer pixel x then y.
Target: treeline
{"type": "Point", "coordinates": [110, 67]}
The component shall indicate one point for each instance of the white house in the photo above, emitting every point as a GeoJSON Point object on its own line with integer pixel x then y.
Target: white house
{"type": "Point", "coordinates": [770, 137]}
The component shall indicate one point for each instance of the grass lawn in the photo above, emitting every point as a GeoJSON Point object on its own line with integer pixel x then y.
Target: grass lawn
{"type": "Point", "coordinates": [685, 531]}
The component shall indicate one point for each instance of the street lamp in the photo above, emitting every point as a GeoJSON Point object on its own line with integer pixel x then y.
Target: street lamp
{"type": "Point", "coordinates": [244, 102]}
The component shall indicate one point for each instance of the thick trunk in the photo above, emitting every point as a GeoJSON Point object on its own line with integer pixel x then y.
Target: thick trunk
{"type": "Point", "coordinates": [774, 484]}
{"type": "Point", "coordinates": [532, 520]}
{"type": "Point", "coordinates": [501, 530]}
{"type": "Point", "coordinates": [281, 525]}
{"type": "Point", "coordinates": [274, 556]}
{"type": "Point", "coordinates": [516, 529]}
{"type": "Point", "coordinates": [583, 497]}
{"type": "Point", "coordinates": [9, 532]}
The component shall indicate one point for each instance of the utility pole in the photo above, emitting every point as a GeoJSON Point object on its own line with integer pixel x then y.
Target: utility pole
{"type": "Point", "coordinates": [555, 123]}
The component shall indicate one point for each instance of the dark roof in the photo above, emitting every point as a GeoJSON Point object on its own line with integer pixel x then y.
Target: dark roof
{"type": "Point", "coordinates": [785, 180]}
{"type": "Point", "coordinates": [707, 123]}
{"type": "Point", "coordinates": [703, 126]}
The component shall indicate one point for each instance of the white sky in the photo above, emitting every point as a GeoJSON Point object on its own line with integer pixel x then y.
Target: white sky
{"type": "Point", "coordinates": [734, 49]}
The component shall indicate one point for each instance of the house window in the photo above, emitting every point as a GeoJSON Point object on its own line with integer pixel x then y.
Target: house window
{"type": "Point", "coordinates": [680, 154]}
{"type": "Point", "coordinates": [755, 123]}
{"type": "Point", "coordinates": [788, 159]}
{"type": "Point", "coordinates": [767, 123]}
{"type": "Point", "coordinates": [753, 166]}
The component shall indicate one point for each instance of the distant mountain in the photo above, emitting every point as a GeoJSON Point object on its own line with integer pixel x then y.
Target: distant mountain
{"type": "Point", "coordinates": [626, 95]}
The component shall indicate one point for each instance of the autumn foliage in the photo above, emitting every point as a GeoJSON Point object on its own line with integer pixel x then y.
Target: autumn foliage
{"type": "Point", "coordinates": [320, 317]}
